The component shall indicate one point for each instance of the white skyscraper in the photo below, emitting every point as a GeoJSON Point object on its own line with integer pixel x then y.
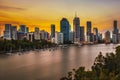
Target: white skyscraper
{"type": "Point", "coordinates": [58, 38]}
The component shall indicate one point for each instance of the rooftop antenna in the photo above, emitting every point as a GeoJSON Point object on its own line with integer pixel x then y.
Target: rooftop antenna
{"type": "Point", "coordinates": [75, 14]}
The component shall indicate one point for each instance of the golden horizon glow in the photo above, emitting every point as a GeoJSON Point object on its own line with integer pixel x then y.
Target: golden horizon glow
{"type": "Point", "coordinates": [43, 13]}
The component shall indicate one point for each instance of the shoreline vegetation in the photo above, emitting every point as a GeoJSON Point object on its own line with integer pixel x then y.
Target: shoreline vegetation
{"type": "Point", "coordinates": [104, 68]}
{"type": "Point", "coordinates": [13, 46]}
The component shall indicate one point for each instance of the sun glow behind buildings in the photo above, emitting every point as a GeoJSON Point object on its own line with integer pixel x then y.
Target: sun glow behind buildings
{"type": "Point", "coordinates": [43, 13]}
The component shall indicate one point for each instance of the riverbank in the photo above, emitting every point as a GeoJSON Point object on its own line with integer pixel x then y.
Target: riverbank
{"type": "Point", "coordinates": [41, 49]}
{"type": "Point", "coordinates": [46, 48]}
{"type": "Point", "coordinates": [13, 46]}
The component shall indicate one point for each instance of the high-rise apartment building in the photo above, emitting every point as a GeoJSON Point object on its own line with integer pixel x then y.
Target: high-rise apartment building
{"type": "Point", "coordinates": [59, 38]}
{"type": "Point", "coordinates": [8, 31]}
{"type": "Point", "coordinates": [37, 33]}
{"type": "Point", "coordinates": [14, 32]}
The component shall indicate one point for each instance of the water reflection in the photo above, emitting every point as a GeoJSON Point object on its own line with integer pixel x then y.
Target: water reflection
{"type": "Point", "coordinates": [49, 65]}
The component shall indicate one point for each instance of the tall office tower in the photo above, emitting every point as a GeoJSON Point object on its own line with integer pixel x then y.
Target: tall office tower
{"type": "Point", "coordinates": [107, 37]}
{"type": "Point", "coordinates": [52, 31]}
{"type": "Point", "coordinates": [37, 33]}
{"type": "Point", "coordinates": [23, 28]}
{"type": "Point", "coordinates": [65, 28]}
{"type": "Point", "coordinates": [95, 32]}
{"type": "Point", "coordinates": [82, 36]}
{"type": "Point", "coordinates": [115, 32]}
{"type": "Point", "coordinates": [115, 24]}
{"type": "Point", "coordinates": [76, 29]}
{"type": "Point", "coordinates": [8, 31]}
{"type": "Point", "coordinates": [71, 37]}
{"type": "Point", "coordinates": [89, 27]}
{"type": "Point", "coordinates": [91, 37]}
{"type": "Point", "coordinates": [46, 36]}
{"type": "Point", "coordinates": [14, 32]}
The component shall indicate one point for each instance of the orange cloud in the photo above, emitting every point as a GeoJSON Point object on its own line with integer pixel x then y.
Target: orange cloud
{"type": "Point", "coordinates": [10, 8]}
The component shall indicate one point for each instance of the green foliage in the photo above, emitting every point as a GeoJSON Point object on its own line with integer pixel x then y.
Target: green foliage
{"type": "Point", "coordinates": [16, 45]}
{"type": "Point", "coordinates": [104, 68]}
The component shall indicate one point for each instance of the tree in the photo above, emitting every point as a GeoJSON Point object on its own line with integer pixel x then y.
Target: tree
{"type": "Point", "coordinates": [104, 68]}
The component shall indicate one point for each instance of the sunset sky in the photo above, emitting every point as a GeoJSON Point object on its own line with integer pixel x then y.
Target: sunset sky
{"type": "Point", "coordinates": [43, 13]}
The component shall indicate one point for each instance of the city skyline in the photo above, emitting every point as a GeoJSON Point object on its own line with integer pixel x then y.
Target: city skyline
{"type": "Point", "coordinates": [86, 28]}
{"type": "Point", "coordinates": [42, 13]}
{"type": "Point", "coordinates": [59, 40]}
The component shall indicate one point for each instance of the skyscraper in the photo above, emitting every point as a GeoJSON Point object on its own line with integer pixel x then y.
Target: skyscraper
{"type": "Point", "coordinates": [20, 35]}
{"type": "Point", "coordinates": [95, 32]}
{"type": "Point", "coordinates": [65, 28]}
{"type": "Point", "coordinates": [82, 36]}
{"type": "Point", "coordinates": [27, 29]}
{"type": "Point", "coordinates": [76, 29]}
{"type": "Point", "coordinates": [52, 31]}
{"type": "Point", "coordinates": [23, 28]}
{"type": "Point", "coordinates": [71, 37]}
{"type": "Point", "coordinates": [118, 37]}
{"type": "Point", "coordinates": [58, 38]}
{"type": "Point", "coordinates": [115, 24]}
{"type": "Point", "coordinates": [37, 34]}
{"type": "Point", "coordinates": [115, 32]}
{"type": "Point", "coordinates": [89, 27]}
{"type": "Point", "coordinates": [30, 36]}
{"type": "Point", "coordinates": [44, 35]}
{"type": "Point", "coordinates": [100, 37]}
{"type": "Point", "coordinates": [8, 31]}
{"type": "Point", "coordinates": [14, 32]}
{"type": "Point", "coordinates": [107, 37]}
{"type": "Point", "coordinates": [91, 37]}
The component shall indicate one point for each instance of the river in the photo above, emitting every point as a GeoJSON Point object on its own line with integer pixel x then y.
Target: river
{"type": "Point", "coordinates": [50, 65]}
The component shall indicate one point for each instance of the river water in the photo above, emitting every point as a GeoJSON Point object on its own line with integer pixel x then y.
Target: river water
{"type": "Point", "coordinates": [50, 65]}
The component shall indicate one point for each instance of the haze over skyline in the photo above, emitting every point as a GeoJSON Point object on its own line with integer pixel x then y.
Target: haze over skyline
{"type": "Point", "coordinates": [43, 13]}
